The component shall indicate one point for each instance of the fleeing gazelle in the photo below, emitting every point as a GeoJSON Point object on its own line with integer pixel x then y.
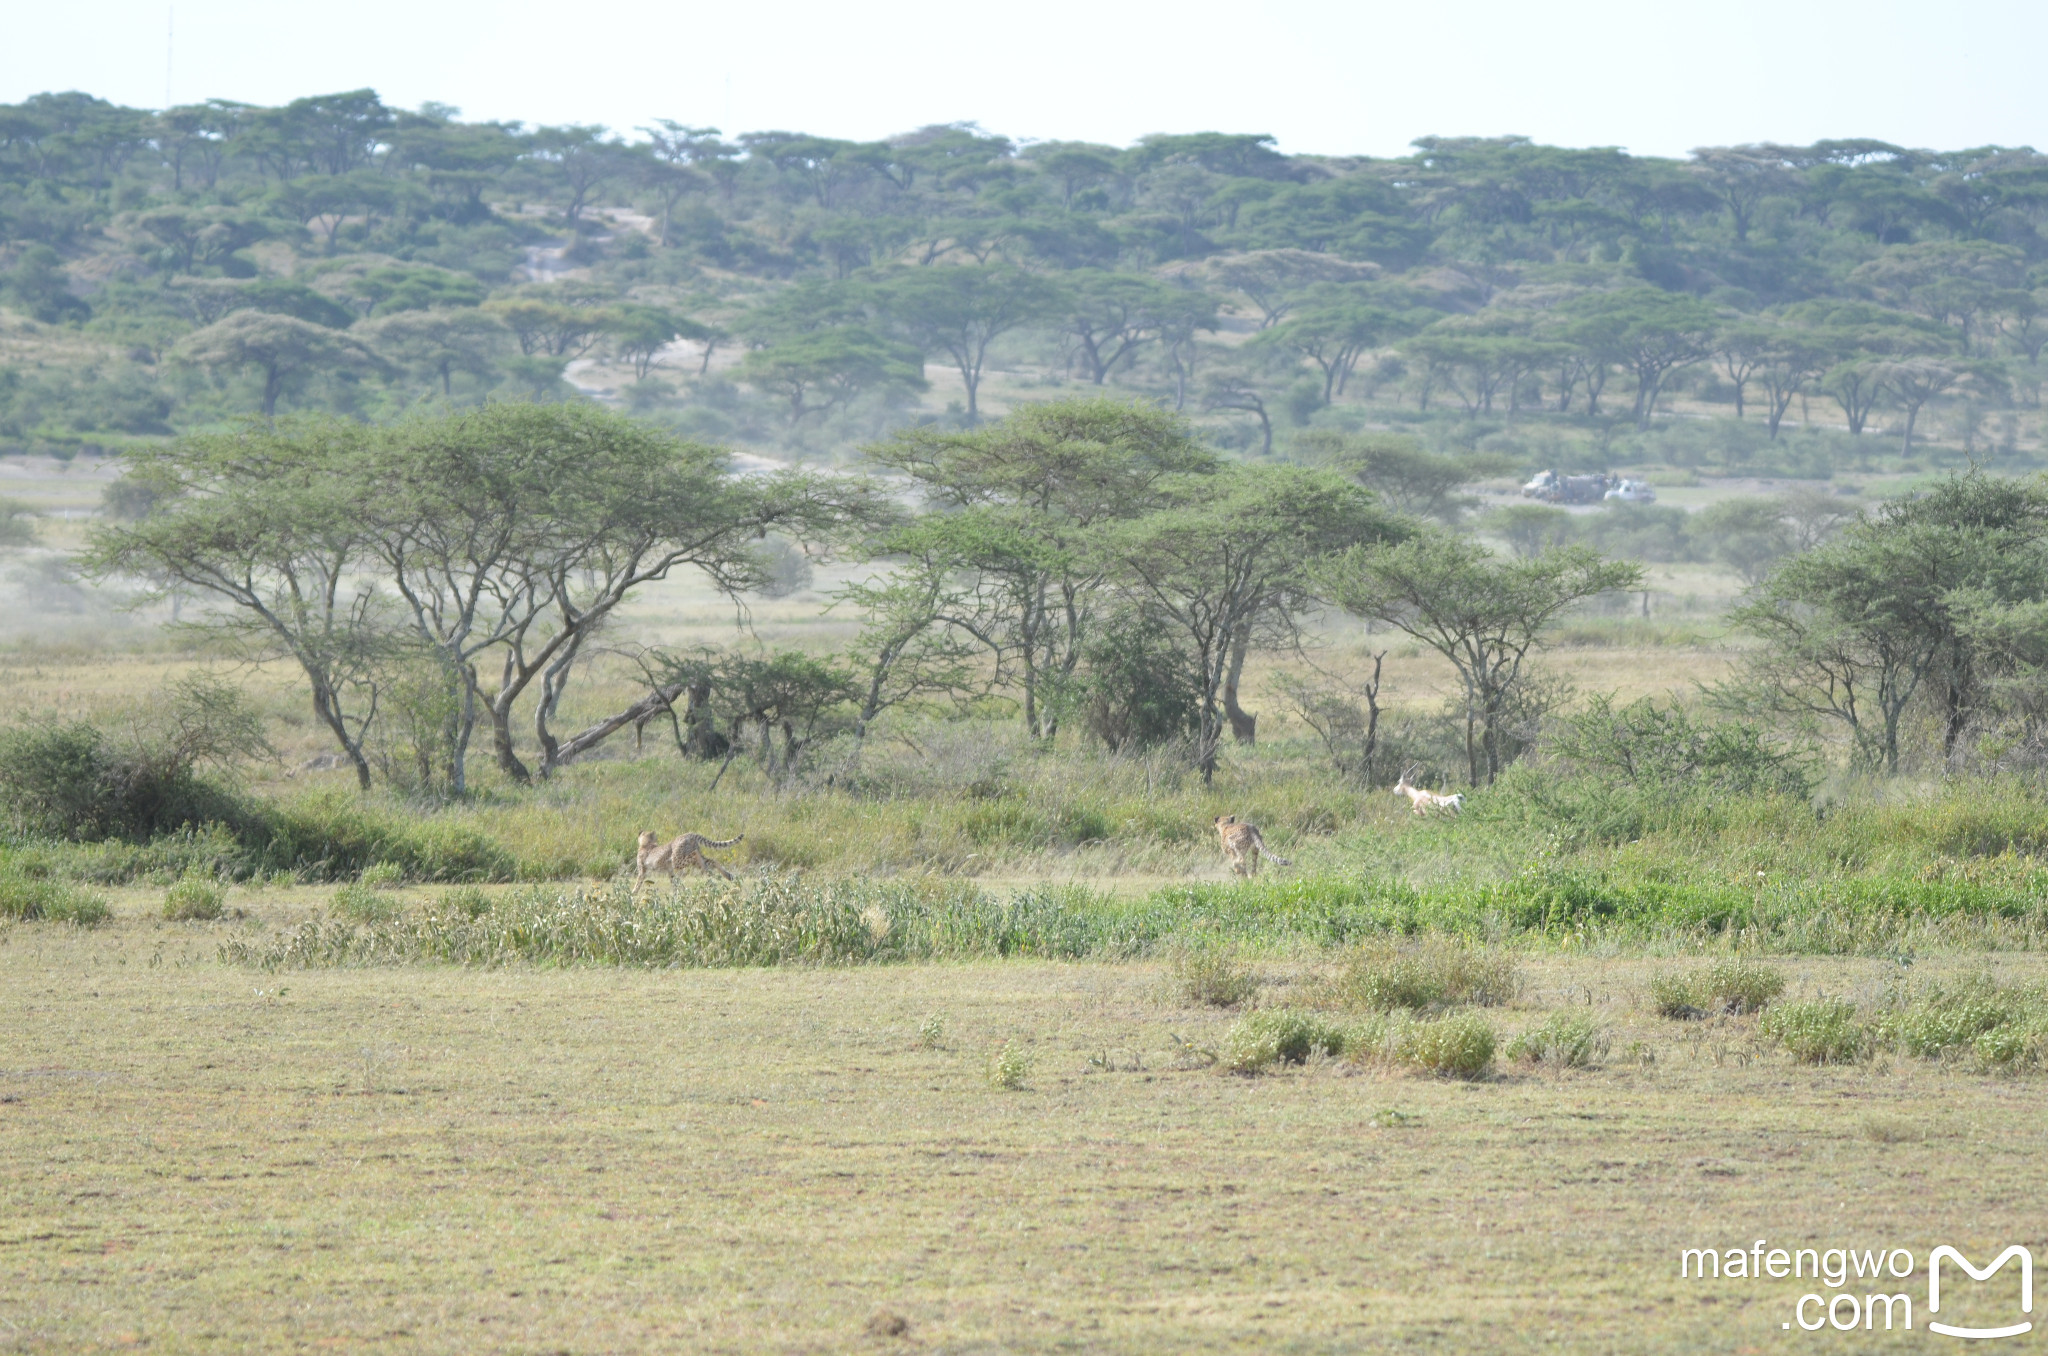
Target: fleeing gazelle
{"type": "Point", "coordinates": [1424, 802]}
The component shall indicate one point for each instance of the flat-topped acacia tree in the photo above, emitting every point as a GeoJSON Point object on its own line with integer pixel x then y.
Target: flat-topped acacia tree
{"type": "Point", "coordinates": [1482, 614]}
{"type": "Point", "coordinates": [495, 540]}
{"type": "Point", "coordinates": [1021, 501]}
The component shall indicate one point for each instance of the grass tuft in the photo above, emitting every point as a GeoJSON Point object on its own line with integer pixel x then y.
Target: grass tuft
{"type": "Point", "coordinates": [1733, 987]}
{"type": "Point", "coordinates": [1567, 1040]}
{"type": "Point", "coordinates": [194, 899]}
{"type": "Point", "coordinates": [1441, 974]}
{"type": "Point", "coordinates": [1261, 1040]}
{"type": "Point", "coordinates": [1822, 1031]}
{"type": "Point", "coordinates": [1208, 972]}
{"type": "Point", "coordinates": [1008, 1067]}
{"type": "Point", "coordinates": [2003, 1026]}
{"type": "Point", "coordinates": [1458, 1046]}
{"type": "Point", "coordinates": [467, 901]}
{"type": "Point", "coordinates": [361, 903]}
{"type": "Point", "coordinates": [28, 897]}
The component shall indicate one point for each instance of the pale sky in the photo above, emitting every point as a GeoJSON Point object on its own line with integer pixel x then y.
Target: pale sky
{"type": "Point", "coordinates": [1349, 76]}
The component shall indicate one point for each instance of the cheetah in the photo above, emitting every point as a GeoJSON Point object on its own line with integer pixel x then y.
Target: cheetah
{"type": "Point", "coordinates": [655, 855]}
{"type": "Point", "coordinates": [1243, 844]}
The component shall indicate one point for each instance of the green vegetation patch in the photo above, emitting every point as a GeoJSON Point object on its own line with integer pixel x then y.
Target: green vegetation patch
{"type": "Point", "coordinates": [1733, 987]}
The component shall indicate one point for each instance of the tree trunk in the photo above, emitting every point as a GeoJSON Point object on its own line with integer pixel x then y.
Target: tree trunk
{"type": "Point", "coordinates": [501, 743]}
{"type": "Point", "coordinates": [591, 736]}
{"type": "Point", "coordinates": [323, 707]}
{"type": "Point", "coordinates": [1244, 726]}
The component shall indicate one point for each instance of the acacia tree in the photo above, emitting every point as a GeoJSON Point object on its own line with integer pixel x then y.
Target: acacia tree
{"type": "Point", "coordinates": [1481, 614]}
{"type": "Point", "coordinates": [441, 343]}
{"type": "Point", "coordinates": [959, 310]}
{"type": "Point", "coordinates": [922, 628]}
{"type": "Point", "coordinates": [1022, 498]}
{"type": "Point", "coordinates": [271, 521]}
{"type": "Point", "coordinates": [1650, 332]}
{"type": "Point", "coordinates": [513, 532]}
{"type": "Point", "coordinates": [818, 371]}
{"type": "Point", "coordinates": [1859, 628]}
{"type": "Point", "coordinates": [1227, 553]}
{"type": "Point", "coordinates": [1336, 334]}
{"type": "Point", "coordinates": [280, 347]}
{"type": "Point", "coordinates": [1106, 317]}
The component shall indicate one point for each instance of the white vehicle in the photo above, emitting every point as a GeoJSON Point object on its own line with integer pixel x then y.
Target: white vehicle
{"type": "Point", "coordinates": [1551, 488]}
{"type": "Point", "coordinates": [1632, 492]}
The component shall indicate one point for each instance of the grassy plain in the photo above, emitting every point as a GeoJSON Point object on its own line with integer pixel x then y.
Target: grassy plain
{"type": "Point", "coordinates": [207, 1156]}
{"type": "Point", "coordinates": [203, 1158]}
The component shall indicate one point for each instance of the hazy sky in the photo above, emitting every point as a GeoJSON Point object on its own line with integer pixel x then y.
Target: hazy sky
{"type": "Point", "coordinates": [1322, 75]}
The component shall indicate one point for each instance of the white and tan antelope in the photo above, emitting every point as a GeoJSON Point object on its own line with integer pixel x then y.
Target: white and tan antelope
{"type": "Point", "coordinates": [1427, 802]}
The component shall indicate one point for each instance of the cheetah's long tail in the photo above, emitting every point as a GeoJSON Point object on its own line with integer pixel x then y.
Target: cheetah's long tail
{"type": "Point", "coordinates": [727, 843]}
{"type": "Point", "coordinates": [1271, 855]}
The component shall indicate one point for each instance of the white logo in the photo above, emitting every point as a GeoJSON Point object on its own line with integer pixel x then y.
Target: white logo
{"type": "Point", "coordinates": [2026, 1289]}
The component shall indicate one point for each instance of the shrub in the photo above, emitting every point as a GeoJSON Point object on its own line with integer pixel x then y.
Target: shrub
{"type": "Point", "coordinates": [334, 836]}
{"type": "Point", "coordinates": [75, 781]}
{"type": "Point", "coordinates": [2004, 1026]}
{"type": "Point", "coordinates": [1133, 691]}
{"type": "Point", "coordinates": [1380, 978]}
{"type": "Point", "coordinates": [382, 875]}
{"type": "Point", "coordinates": [2012, 1047]}
{"type": "Point", "coordinates": [28, 897]}
{"type": "Point", "coordinates": [931, 1032]}
{"type": "Point", "coordinates": [363, 904]}
{"type": "Point", "coordinates": [1210, 973]}
{"type": "Point", "coordinates": [1823, 1031]}
{"type": "Point", "coordinates": [1664, 748]}
{"type": "Point", "coordinates": [1731, 986]}
{"type": "Point", "coordinates": [191, 899]}
{"type": "Point", "coordinates": [1008, 1067]}
{"type": "Point", "coordinates": [1569, 1040]}
{"type": "Point", "coordinates": [1460, 1045]}
{"type": "Point", "coordinates": [1279, 1036]}
{"type": "Point", "coordinates": [469, 901]}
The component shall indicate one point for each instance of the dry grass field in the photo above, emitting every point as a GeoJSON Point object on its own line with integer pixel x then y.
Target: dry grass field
{"type": "Point", "coordinates": [197, 1157]}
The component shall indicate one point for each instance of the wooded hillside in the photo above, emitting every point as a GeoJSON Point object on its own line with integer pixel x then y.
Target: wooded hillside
{"type": "Point", "coordinates": [170, 271]}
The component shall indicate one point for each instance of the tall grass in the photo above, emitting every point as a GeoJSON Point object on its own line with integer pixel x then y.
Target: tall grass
{"type": "Point", "coordinates": [781, 921]}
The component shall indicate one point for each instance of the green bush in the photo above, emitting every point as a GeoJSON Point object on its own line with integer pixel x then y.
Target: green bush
{"type": "Point", "coordinates": [1209, 972]}
{"type": "Point", "coordinates": [467, 902]}
{"type": "Point", "coordinates": [1008, 1067]}
{"type": "Point", "coordinates": [75, 781]}
{"type": "Point", "coordinates": [1279, 1036]}
{"type": "Point", "coordinates": [1460, 1045]}
{"type": "Point", "coordinates": [1569, 1040]}
{"type": "Point", "coordinates": [192, 899]}
{"type": "Point", "coordinates": [2012, 1047]}
{"type": "Point", "coordinates": [334, 836]}
{"type": "Point", "coordinates": [28, 897]}
{"type": "Point", "coordinates": [1133, 691]}
{"type": "Point", "coordinates": [2002, 1025]}
{"type": "Point", "coordinates": [382, 875]}
{"type": "Point", "coordinates": [1667, 748]}
{"type": "Point", "coordinates": [1823, 1031]}
{"type": "Point", "coordinates": [1441, 974]}
{"type": "Point", "coordinates": [1732, 986]}
{"type": "Point", "coordinates": [364, 904]}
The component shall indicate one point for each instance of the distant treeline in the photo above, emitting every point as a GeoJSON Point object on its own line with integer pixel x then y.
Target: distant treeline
{"type": "Point", "coordinates": [180, 267]}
